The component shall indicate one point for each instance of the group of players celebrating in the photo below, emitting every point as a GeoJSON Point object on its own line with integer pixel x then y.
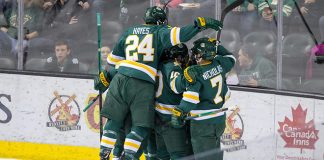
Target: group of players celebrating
{"type": "Point", "coordinates": [152, 90]}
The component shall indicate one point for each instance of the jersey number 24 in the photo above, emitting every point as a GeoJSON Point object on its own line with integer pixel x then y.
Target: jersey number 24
{"type": "Point", "coordinates": [136, 46]}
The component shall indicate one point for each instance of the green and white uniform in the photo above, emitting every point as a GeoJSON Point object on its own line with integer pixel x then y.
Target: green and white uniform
{"type": "Point", "coordinates": [206, 95]}
{"type": "Point", "coordinates": [137, 55]}
{"type": "Point", "coordinates": [171, 142]}
{"type": "Point", "coordinates": [169, 93]}
{"type": "Point", "coordinates": [140, 48]}
{"type": "Point", "coordinates": [287, 6]}
{"type": "Point", "coordinates": [132, 89]}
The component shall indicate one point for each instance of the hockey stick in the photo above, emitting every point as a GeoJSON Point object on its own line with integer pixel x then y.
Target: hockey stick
{"type": "Point", "coordinates": [206, 114]}
{"type": "Point", "coordinates": [227, 10]}
{"type": "Point", "coordinates": [99, 69]}
{"type": "Point", "coordinates": [91, 103]}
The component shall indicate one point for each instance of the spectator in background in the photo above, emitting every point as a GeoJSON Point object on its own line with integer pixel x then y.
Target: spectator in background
{"type": "Point", "coordinates": [63, 11]}
{"type": "Point", "coordinates": [268, 11]}
{"type": "Point", "coordinates": [312, 10]}
{"type": "Point", "coordinates": [63, 60]}
{"type": "Point", "coordinates": [256, 71]}
{"type": "Point", "coordinates": [105, 50]}
{"type": "Point", "coordinates": [32, 16]}
{"type": "Point", "coordinates": [131, 11]}
{"type": "Point", "coordinates": [242, 18]}
{"type": "Point", "coordinates": [66, 18]}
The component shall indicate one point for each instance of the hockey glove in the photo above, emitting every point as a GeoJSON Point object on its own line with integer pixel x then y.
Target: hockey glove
{"type": "Point", "coordinates": [104, 153]}
{"type": "Point", "coordinates": [203, 23]}
{"type": "Point", "coordinates": [191, 73]}
{"type": "Point", "coordinates": [177, 119]}
{"type": "Point", "coordinates": [101, 82]}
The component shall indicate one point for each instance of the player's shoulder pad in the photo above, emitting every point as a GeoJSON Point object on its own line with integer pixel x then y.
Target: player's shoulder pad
{"type": "Point", "coordinates": [75, 61]}
{"type": "Point", "coordinates": [49, 60]}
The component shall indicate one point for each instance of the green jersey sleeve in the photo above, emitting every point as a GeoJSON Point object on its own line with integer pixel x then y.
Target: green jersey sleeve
{"type": "Point", "coordinates": [225, 58]}
{"type": "Point", "coordinates": [174, 79]}
{"type": "Point", "coordinates": [190, 97]}
{"type": "Point", "coordinates": [175, 35]}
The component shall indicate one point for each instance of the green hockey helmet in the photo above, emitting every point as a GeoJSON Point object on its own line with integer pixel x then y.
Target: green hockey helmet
{"type": "Point", "coordinates": [155, 15]}
{"type": "Point", "coordinates": [205, 47]}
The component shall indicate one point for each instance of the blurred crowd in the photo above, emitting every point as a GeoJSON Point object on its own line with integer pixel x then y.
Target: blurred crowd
{"type": "Point", "coordinates": [61, 36]}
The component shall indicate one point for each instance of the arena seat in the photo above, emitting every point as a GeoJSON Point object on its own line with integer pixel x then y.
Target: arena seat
{"type": "Point", "coordinates": [83, 68]}
{"type": "Point", "coordinates": [7, 63]}
{"type": "Point", "coordinates": [230, 39]}
{"type": "Point", "coordinates": [35, 64]}
{"type": "Point", "coordinates": [313, 86]}
{"type": "Point", "coordinates": [86, 52]}
{"type": "Point", "coordinates": [263, 39]}
{"type": "Point", "coordinates": [296, 48]}
{"type": "Point", "coordinates": [40, 47]}
{"type": "Point", "coordinates": [5, 44]}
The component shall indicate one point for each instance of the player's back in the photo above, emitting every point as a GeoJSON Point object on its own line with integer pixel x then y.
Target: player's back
{"type": "Point", "coordinates": [214, 88]}
{"type": "Point", "coordinates": [166, 98]}
{"type": "Point", "coordinates": [213, 91]}
{"type": "Point", "coordinates": [169, 71]}
{"type": "Point", "coordinates": [142, 47]}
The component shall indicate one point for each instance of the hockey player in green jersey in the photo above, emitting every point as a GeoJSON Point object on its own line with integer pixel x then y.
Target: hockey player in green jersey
{"type": "Point", "coordinates": [206, 93]}
{"type": "Point", "coordinates": [172, 143]}
{"type": "Point", "coordinates": [136, 55]}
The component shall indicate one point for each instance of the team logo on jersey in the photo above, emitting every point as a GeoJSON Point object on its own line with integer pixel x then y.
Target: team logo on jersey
{"type": "Point", "coordinates": [233, 133]}
{"type": "Point", "coordinates": [296, 132]}
{"type": "Point", "coordinates": [92, 114]}
{"type": "Point", "coordinates": [64, 113]}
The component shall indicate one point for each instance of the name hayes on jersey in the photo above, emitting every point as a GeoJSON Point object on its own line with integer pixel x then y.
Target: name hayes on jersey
{"type": "Point", "coordinates": [141, 30]}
